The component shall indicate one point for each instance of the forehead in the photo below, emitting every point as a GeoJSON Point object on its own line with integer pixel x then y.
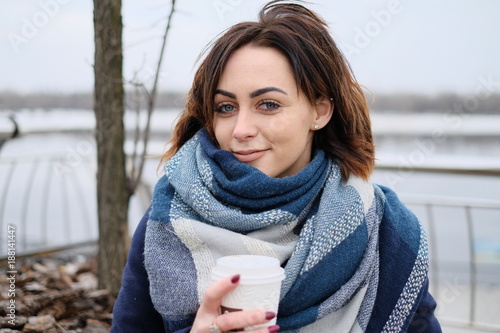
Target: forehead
{"type": "Point", "coordinates": [256, 63]}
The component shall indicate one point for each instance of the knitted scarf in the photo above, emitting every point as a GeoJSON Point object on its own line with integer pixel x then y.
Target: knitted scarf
{"type": "Point", "coordinates": [355, 259]}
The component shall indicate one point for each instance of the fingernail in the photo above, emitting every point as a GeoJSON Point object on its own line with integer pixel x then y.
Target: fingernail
{"type": "Point", "coordinates": [235, 278]}
{"type": "Point", "coordinates": [274, 329]}
{"type": "Point", "coordinates": [270, 315]}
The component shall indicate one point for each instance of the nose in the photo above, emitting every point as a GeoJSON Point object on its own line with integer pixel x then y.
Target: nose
{"type": "Point", "coordinates": [245, 126]}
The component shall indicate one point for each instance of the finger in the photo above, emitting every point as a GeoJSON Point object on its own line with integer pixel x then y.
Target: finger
{"type": "Point", "coordinates": [213, 295]}
{"type": "Point", "coordinates": [241, 319]}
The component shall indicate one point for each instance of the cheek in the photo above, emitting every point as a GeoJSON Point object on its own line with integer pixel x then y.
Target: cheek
{"type": "Point", "coordinates": [277, 125]}
{"type": "Point", "coordinates": [222, 133]}
{"type": "Point", "coordinates": [291, 140]}
{"type": "Point", "coordinates": [290, 128]}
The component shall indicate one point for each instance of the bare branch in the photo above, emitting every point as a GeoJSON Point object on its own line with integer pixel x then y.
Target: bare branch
{"type": "Point", "coordinates": [151, 104]}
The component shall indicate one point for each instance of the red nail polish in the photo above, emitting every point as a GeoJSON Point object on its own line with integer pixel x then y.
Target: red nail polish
{"type": "Point", "coordinates": [270, 315]}
{"type": "Point", "coordinates": [235, 278]}
{"type": "Point", "coordinates": [274, 329]}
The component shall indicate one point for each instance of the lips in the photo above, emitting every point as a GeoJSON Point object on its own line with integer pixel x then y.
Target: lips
{"type": "Point", "coordinates": [249, 155]}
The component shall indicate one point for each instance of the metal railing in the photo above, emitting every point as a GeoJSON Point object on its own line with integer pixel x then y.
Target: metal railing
{"type": "Point", "coordinates": [53, 207]}
{"type": "Point", "coordinates": [18, 206]}
{"type": "Point", "coordinates": [467, 205]}
{"type": "Point", "coordinates": [50, 197]}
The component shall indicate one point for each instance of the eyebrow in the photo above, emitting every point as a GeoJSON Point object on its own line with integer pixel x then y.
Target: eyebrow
{"type": "Point", "coordinates": [256, 93]}
{"type": "Point", "coordinates": [261, 91]}
{"type": "Point", "coordinates": [225, 93]}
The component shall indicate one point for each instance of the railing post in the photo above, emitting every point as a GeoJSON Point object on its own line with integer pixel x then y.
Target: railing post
{"type": "Point", "coordinates": [433, 246]}
{"type": "Point", "coordinates": [26, 203]}
{"type": "Point", "coordinates": [44, 216]}
{"type": "Point", "coordinates": [473, 264]}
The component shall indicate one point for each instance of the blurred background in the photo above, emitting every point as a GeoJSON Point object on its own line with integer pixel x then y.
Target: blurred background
{"type": "Point", "coordinates": [432, 80]}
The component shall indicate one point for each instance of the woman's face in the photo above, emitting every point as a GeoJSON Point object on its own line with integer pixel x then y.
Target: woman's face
{"type": "Point", "coordinates": [261, 116]}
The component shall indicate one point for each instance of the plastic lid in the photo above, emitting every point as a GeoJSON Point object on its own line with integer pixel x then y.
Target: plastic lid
{"type": "Point", "coordinates": [253, 269]}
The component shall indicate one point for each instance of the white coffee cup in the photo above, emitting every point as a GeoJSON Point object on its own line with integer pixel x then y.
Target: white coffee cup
{"type": "Point", "coordinates": [259, 286]}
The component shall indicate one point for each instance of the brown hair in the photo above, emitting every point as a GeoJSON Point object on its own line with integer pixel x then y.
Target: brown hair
{"type": "Point", "coordinates": [319, 68]}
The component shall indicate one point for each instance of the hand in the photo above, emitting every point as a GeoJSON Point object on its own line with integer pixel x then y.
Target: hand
{"type": "Point", "coordinates": [208, 313]}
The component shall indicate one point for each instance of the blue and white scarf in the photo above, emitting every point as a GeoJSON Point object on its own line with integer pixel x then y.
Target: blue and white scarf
{"type": "Point", "coordinates": [355, 259]}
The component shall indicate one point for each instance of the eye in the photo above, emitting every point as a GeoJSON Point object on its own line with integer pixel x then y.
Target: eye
{"type": "Point", "coordinates": [225, 108]}
{"type": "Point", "coordinates": [269, 105]}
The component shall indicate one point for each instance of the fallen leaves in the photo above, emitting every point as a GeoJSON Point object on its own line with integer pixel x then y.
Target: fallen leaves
{"type": "Point", "coordinates": [56, 295]}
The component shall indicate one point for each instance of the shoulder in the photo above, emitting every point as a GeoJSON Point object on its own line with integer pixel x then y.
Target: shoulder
{"type": "Point", "coordinates": [398, 215]}
{"type": "Point", "coordinates": [162, 195]}
{"type": "Point", "coordinates": [390, 198]}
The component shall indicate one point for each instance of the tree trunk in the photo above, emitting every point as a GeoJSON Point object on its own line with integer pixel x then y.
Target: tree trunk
{"type": "Point", "coordinates": [112, 190]}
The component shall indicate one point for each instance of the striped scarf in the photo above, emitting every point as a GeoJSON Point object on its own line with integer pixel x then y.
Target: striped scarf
{"type": "Point", "coordinates": [355, 258]}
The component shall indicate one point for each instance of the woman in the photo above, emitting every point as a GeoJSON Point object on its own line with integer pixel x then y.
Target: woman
{"type": "Point", "coordinates": [272, 156]}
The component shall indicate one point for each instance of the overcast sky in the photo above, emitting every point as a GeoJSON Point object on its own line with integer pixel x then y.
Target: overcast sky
{"type": "Point", "coordinates": [392, 45]}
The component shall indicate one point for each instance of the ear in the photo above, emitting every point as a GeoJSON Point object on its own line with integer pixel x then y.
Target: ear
{"type": "Point", "coordinates": [323, 112]}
